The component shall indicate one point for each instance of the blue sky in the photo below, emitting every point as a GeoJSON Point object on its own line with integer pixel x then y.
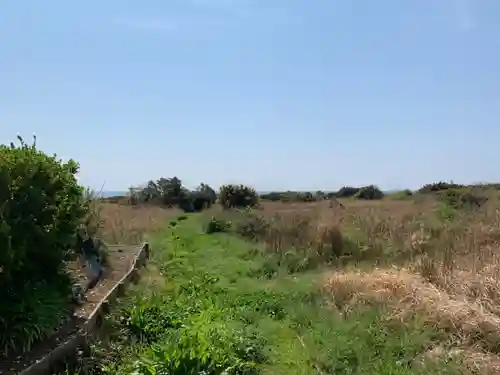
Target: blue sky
{"type": "Point", "coordinates": [279, 94]}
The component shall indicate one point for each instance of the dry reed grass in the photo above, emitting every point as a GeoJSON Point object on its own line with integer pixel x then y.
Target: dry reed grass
{"type": "Point", "coordinates": [410, 259]}
{"type": "Point", "coordinates": [407, 258]}
{"type": "Point", "coordinates": [127, 224]}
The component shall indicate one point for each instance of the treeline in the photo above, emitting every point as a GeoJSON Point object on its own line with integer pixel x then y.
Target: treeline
{"type": "Point", "coordinates": [369, 192]}
{"type": "Point", "coordinates": [171, 193]}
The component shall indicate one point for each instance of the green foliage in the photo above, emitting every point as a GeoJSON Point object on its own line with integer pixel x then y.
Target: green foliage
{"type": "Point", "coordinates": [203, 197]}
{"type": "Point", "coordinates": [41, 206]}
{"type": "Point", "coordinates": [211, 352]}
{"type": "Point", "coordinates": [207, 192]}
{"type": "Point", "coordinates": [170, 192]}
{"type": "Point", "coordinates": [403, 194]}
{"type": "Point", "coordinates": [32, 314]}
{"type": "Point", "coordinates": [273, 196]}
{"type": "Point", "coordinates": [217, 225]}
{"type": "Point", "coordinates": [293, 196]}
{"type": "Point", "coordinates": [252, 227]}
{"type": "Point", "coordinates": [147, 322]}
{"type": "Point", "coordinates": [467, 199]}
{"type": "Point", "coordinates": [369, 192]}
{"type": "Point", "coordinates": [231, 196]}
{"type": "Point", "coordinates": [347, 192]}
{"type": "Point", "coordinates": [438, 186]}
{"type": "Point", "coordinates": [212, 312]}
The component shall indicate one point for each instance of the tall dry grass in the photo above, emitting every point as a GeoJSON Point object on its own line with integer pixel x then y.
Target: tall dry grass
{"type": "Point", "coordinates": [131, 224]}
{"type": "Point", "coordinates": [411, 257]}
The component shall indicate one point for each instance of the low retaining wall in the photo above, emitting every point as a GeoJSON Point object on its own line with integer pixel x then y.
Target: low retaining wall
{"type": "Point", "coordinates": [85, 334]}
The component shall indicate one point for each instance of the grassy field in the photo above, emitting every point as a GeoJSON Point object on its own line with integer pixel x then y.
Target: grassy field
{"type": "Point", "coordinates": [387, 287]}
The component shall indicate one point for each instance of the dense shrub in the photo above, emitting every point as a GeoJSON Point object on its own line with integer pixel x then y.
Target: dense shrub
{"type": "Point", "coordinates": [203, 197]}
{"type": "Point", "coordinates": [438, 186]}
{"type": "Point", "coordinates": [463, 198]}
{"type": "Point", "coordinates": [253, 227]}
{"type": "Point", "coordinates": [41, 206]}
{"type": "Point", "coordinates": [369, 192]}
{"type": "Point", "coordinates": [273, 196]}
{"type": "Point", "coordinates": [237, 196]}
{"type": "Point", "coordinates": [170, 192]}
{"type": "Point", "coordinates": [217, 225]}
{"type": "Point", "coordinates": [293, 196]}
{"type": "Point", "coordinates": [346, 192]}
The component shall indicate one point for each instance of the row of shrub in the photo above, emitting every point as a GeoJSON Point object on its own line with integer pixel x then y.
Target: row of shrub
{"type": "Point", "coordinates": [369, 192]}
{"type": "Point", "coordinates": [171, 192]}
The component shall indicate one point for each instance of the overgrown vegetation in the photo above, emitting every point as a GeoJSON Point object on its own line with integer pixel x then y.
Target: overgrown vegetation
{"type": "Point", "coordinates": [408, 285]}
{"type": "Point", "coordinates": [439, 186]}
{"type": "Point", "coordinates": [366, 192]}
{"type": "Point", "coordinates": [170, 192]}
{"type": "Point", "coordinates": [220, 305]}
{"type": "Point", "coordinates": [40, 208]}
{"type": "Point", "coordinates": [237, 196]}
{"type": "Point", "coordinates": [369, 192]}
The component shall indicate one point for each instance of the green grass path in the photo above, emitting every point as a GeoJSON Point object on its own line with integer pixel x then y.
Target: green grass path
{"type": "Point", "coordinates": [206, 305]}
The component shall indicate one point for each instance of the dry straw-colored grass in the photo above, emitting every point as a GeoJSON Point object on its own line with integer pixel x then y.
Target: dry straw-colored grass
{"type": "Point", "coordinates": [400, 254]}
{"type": "Point", "coordinates": [447, 273]}
{"type": "Point", "coordinates": [413, 262]}
{"type": "Point", "coordinates": [127, 224]}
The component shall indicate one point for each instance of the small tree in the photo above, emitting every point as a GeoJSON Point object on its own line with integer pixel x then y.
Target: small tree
{"type": "Point", "coordinates": [369, 192]}
{"type": "Point", "coordinates": [208, 193]}
{"type": "Point", "coordinates": [347, 192]}
{"type": "Point", "coordinates": [237, 196]}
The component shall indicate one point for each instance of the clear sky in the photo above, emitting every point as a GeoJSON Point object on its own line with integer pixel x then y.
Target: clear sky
{"type": "Point", "coordinates": [279, 94]}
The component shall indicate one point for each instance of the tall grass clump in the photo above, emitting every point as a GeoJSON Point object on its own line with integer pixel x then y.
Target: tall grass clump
{"type": "Point", "coordinates": [40, 209]}
{"type": "Point", "coordinates": [295, 241]}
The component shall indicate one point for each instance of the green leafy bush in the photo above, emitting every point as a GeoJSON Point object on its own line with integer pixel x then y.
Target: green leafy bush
{"type": "Point", "coordinates": [252, 227]}
{"type": "Point", "coordinates": [170, 192]}
{"type": "Point", "coordinates": [347, 192]}
{"type": "Point", "coordinates": [202, 198]}
{"type": "Point", "coordinates": [41, 206]}
{"type": "Point", "coordinates": [273, 196]}
{"type": "Point", "coordinates": [216, 225]}
{"type": "Point", "coordinates": [463, 198]}
{"type": "Point", "coordinates": [369, 192]}
{"type": "Point", "coordinates": [147, 322]}
{"type": "Point", "coordinates": [231, 196]}
{"type": "Point", "coordinates": [293, 196]}
{"type": "Point", "coordinates": [438, 186]}
{"type": "Point", "coordinates": [402, 194]}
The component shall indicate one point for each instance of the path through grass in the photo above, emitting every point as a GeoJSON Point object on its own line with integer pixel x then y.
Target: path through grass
{"type": "Point", "coordinates": [207, 306]}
